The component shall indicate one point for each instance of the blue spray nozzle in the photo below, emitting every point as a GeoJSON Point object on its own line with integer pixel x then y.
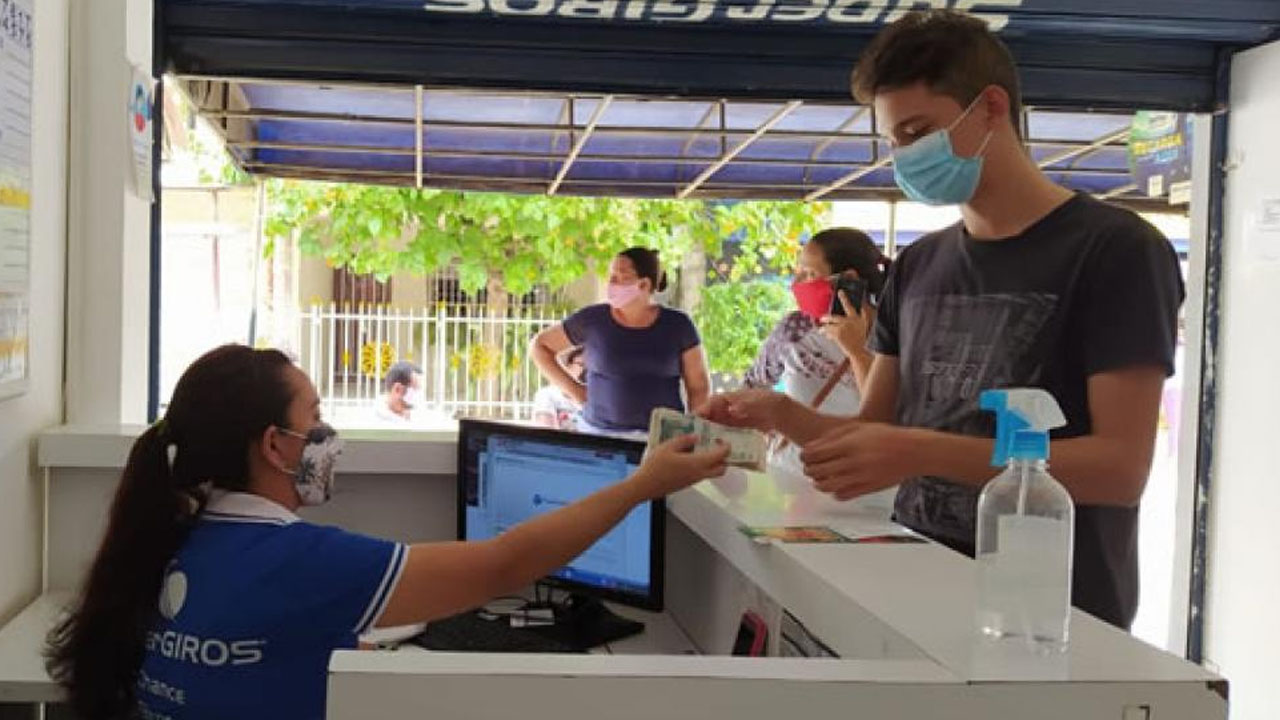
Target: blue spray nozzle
{"type": "Point", "coordinates": [1029, 445]}
{"type": "Point", "coordinates": [1024, 417]}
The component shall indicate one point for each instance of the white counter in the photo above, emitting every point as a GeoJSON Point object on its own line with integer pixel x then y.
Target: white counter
{"type": "Point", "coordinates": [925, 593]}
{"type": "Point", "coordinates": [395, 484]}
{"type": "Point", "coordinates": [383, 452]}
{"type": "Point", "coordinates": [431, 685]}
{"type": "Point", "coordinates": [23, 678]}
{"type": "Point", "coordinates": [899, 615]}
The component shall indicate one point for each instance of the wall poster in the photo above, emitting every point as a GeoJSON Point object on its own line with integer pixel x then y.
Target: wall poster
{"type": "Point", "coordinates": [15, 193]}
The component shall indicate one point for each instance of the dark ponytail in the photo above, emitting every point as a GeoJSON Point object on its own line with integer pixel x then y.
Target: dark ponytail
{"type": "Point", "coordinates": [848, 249]}
{"type": "Point", "coordinates": [222, 403]}
{"type": "Point", "coordinates": [648, 266]}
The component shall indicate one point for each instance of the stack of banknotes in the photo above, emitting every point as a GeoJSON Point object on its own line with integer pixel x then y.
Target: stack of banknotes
{"type": "Point", "coordinates": [747, 448]}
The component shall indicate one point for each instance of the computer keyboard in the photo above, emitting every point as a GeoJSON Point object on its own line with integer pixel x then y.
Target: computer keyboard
{"type": "Point", "coordinates": [469, 632]}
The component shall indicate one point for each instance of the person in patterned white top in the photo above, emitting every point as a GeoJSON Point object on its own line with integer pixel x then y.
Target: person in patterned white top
{"type": "Point", "coordinates": [552, 407]}
{"type": "Point", "coordinates": [810, 346]}
{"type": "Point", "coordinates": [809, 343]}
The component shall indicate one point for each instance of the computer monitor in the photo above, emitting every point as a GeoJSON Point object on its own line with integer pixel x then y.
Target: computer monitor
{"type": "Point", "coordinates": [508, 474]}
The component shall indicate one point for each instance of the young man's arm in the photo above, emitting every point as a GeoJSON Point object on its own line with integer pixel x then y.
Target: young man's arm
{"type": "Point", "coordinates": [1107, 467]}
{"type": "Point", "coordinates": [769, 411]}
{"type": "Point", "coordinates": [880, 397]}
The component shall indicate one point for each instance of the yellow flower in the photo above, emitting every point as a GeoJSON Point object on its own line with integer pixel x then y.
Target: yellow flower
{"type": "Point", "coordinates": [375, 359]}
{"type": "Point", "coordinates": [483, 361]}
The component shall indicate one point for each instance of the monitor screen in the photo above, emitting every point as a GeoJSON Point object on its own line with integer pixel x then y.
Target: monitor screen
{"type": "Point", "coordinates": [508, 474]}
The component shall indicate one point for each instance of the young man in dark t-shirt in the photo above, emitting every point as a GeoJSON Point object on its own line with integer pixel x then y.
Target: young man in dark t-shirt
{"type": "Point", "coordinates": [1037, 286]}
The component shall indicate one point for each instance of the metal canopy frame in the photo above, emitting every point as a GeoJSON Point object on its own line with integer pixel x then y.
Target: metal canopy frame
{"type": "Point", "coordinates": [728, 157]}
{"type": "Point", "coordinates": [278, 128]}
{"type": "Point", "coordinates": [577, 146]}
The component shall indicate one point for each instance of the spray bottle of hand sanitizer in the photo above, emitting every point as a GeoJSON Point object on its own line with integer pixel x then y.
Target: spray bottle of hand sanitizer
{"type": "Point", "coordinates": [1026, 523]}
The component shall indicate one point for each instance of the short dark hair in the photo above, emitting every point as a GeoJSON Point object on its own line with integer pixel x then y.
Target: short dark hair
{"type": "Point", "coordinates": [648, 266]}
{"type": "Point", "coordinates": [847, 249]}
{"type": "Point", "coordinates": [401, 372]}
{"type": "Point", "coordinates": [952, 53]}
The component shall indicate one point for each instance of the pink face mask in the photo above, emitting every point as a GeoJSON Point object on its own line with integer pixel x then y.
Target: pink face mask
{"type": "Point", "coordinates": [620, 296]}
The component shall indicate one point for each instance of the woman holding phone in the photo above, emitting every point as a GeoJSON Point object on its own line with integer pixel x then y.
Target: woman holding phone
{"type": "Point", "coordinates": [818, 352]}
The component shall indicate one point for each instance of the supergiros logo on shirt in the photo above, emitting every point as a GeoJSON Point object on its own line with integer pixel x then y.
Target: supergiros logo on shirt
{"type": "Point", "coordinates": [173, 595]}
{"type": "Point", "coordinates": [183, 647]}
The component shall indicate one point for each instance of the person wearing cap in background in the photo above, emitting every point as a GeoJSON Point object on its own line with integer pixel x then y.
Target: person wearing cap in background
{"type": "Point", "coordinates": [551, 406]}
{"type": "Point", "coordinates": [403, 393]}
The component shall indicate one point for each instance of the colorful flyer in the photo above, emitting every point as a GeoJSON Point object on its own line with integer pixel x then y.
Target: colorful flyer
{"type": "Point", "coordinates": [793, 534]}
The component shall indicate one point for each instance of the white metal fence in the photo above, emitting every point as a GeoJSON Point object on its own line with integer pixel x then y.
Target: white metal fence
{"type": "Point", "coordinates": [474, 358]}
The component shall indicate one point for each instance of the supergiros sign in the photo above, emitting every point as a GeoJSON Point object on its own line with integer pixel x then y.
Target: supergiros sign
{"type": "Point", "coordinates": [843, 12]}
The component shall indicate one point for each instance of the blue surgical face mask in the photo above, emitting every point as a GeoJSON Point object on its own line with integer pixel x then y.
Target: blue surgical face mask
{"type": "Point", "coordinates": [929, 171]}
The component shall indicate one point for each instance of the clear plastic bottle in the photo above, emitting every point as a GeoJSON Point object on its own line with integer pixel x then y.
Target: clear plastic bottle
{"type": "Point", "coordinates": [1026, 524]}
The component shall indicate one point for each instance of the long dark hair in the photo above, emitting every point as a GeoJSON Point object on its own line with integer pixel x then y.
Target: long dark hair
{"type": "Point", "coordinates": [221, 405]}
{"type": "Point", "coordinates": [648, 266]}
{"type": "Point", "coordinates": [848, 249]}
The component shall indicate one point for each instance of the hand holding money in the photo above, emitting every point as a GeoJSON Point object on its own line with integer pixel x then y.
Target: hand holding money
{"type": "Point", "coordinates": [675, 465]}
{"type": "Point", "coordinates": [747, 448]}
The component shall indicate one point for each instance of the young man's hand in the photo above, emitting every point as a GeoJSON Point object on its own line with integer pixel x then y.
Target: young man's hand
{"type": "Point", "coordinates": [860, 458]}
{"type": "Point", "coordinates": [757, 409]}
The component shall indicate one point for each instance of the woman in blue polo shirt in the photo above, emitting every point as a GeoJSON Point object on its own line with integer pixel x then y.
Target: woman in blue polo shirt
{"type": "Point", "coordinates": [210, 598]}
{"type": "Point", "coordinates": [639, 353]}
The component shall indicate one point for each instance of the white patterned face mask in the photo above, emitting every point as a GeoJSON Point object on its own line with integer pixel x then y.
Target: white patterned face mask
{"type": "Point", "coordinates": [413, 397]}
{"type": "Point", "coordinates": [314, 476]}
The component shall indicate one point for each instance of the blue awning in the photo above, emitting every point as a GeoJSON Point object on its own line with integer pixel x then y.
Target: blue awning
{"type": "Point", "coordinates": [1072, 53]}
{"type": "Point", "coordinates": [603, 145]}
{"type": "Point", "coordinates": [662, 98]}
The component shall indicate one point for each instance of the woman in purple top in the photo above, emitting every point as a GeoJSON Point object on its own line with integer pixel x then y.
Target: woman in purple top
{"type": "Point", "coordinates": [639, 353]}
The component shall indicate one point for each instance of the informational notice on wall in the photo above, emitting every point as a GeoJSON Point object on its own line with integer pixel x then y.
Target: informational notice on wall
{"type": "Point", "coordinates": [1263, 238]}
{"type": "Point", "coordinates": [16, 35]}
{"type": "Point", "coordinates": [141, 106]}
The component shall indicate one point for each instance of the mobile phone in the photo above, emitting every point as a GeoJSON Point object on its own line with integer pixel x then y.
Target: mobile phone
{"type": "Point", "coordinates": [854, 287]}
{"type": "Point", "coordinates": [752, 634]}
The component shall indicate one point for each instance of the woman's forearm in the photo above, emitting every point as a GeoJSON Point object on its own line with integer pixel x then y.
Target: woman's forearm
{"type": "Point", "coordinates": [544, 358]}
{"type": "Point", "coordinates": [698, 395]}
{"type": "Point", "coordinates": [696, 377]}
{"type": "Point", "coordinates": [536, 547]}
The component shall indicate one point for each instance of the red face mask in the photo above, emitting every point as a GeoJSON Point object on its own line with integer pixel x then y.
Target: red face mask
{"type": "Point", "coordinates": [814, 297]}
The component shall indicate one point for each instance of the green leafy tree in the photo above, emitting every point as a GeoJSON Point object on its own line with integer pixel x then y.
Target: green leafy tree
{"type": "Point", "coordinates": [735, 318]}
{"type": "Point", "coordinates": [510, 243]}
{"type": "Point", "coordinates": [519, 241]}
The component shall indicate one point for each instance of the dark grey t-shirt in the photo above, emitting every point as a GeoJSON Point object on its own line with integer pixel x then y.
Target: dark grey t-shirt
{"type": "Point", "coordinates": [1088, 289]}
{"type": "Point", "coordinates": [631, 371]}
